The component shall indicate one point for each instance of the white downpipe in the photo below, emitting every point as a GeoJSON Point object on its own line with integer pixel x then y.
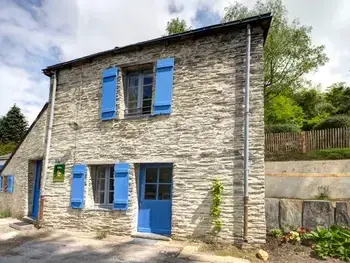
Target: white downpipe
{"type": "Point", "coordinates": [48, 142]}
{"type": "Point", "coordinates": [246, 133]}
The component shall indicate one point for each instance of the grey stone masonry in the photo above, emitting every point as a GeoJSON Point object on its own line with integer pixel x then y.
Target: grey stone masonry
{"type": "Point", "coordinates": [318, 213]}
{"type": "Point", "coordinates": [290, 214]}
{"type": "Point", "coordinates": [272, 206]}
{"type": "Point", "coordinates": [342, 213]}
{"type": "Point", "coordinates": [21, 165]}
{"type": "Point", "coordinates": [203, 138]}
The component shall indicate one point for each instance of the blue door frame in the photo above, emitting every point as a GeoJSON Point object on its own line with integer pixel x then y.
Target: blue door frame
{"type": "Point", "coordinates": [36, 196]}
{"type": "Point", "coordinates": [155, 202]}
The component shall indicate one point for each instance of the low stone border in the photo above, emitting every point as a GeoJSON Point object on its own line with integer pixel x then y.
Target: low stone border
{"type": "Point", "coordinates": [288, 214]}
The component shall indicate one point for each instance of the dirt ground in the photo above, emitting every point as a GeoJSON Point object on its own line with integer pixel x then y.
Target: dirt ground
{"type": "Point", "coordinates": [278, 253]}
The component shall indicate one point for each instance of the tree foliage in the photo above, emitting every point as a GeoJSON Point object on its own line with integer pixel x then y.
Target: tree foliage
{"type": "Point", "coordinates": [337, 121]}
{"type": "Point", "coordinates": [339, 96]}
{"type": "Point", "coordinates": [13, 126]}
{"type": "Point", "coordinates": [288, 52]}
{"type": "Point", "coordinates": [282, 109]}
{"type": "Point", "coordinates": [176, 25]}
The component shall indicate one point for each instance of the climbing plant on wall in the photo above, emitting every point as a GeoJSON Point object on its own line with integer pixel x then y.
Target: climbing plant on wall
{"type": "Point", "coordinates": [215, 211]}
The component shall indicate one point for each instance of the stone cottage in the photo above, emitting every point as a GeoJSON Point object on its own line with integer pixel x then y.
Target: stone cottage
{"type": "Point", "coordinates": [133, 137]}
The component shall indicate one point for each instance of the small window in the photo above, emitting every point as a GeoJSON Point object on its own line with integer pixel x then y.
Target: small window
{"type": "Point", "coordinates": [5, 183]}
{"type": "Point", "coordinates": [139, 87]}
{"type": "Point", "coordinates": [103, 185]}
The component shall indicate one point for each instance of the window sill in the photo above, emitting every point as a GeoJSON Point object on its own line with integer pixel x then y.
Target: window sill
{"type": "Point", "coordinates": [100, 209]}
{"type": "Point", "coordinates": [138, 116]}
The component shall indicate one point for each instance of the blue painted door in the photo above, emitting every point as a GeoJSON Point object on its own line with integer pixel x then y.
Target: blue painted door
{"type": "Point", "coordinates": [155, 199]}
{"type": "Point", "coordinates": [36, 197]}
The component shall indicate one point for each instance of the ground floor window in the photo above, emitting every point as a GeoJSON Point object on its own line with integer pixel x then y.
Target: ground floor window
{"type": "Point", "coordinates": [103, 185]}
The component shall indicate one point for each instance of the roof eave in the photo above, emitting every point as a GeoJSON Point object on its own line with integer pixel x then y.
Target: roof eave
{"type": "Point", "coordinates": [263, 20]}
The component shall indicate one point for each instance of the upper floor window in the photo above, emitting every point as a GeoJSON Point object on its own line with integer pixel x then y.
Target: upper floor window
{"type": "Point", "coordinates": [139, 87]}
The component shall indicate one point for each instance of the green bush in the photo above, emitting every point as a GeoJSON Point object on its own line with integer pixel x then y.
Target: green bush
{"type": "Point", "coordinates": [332, 242]}
{"type": "Point", "coordinates": [7, 148]}
{"type": "Point", "coordinates": [337, 121]}
{"type": "Point", "coordinates": [278, 128]}
{"type": "Point", "coordinates": [276, 233]}
{"type": "Point", "coordinates": [330, 154]}
{"type": "Point", "coordinates": [5, 214]}
{"type": "Point", "coordinates": [327, 154]}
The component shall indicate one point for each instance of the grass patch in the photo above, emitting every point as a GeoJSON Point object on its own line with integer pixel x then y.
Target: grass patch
{"type": "Point", "coordinates": [5, 214]}
{"type": "Point", "coordinates": [101, 234]}
{"type": "Point", "coordinates": [327, 154]}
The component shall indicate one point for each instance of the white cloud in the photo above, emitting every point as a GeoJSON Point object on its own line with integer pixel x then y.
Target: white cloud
{"type": "Point", "coordinates": [33, 37]}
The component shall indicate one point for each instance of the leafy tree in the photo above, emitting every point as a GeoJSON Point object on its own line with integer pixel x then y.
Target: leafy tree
{"type": "Point", "coordinates": [176, 25]}
{"type": "Point", "coordinates": [13, 126]}
{"type": "Point", "coordinates": [339, 96]}
{"type": "Point", "coordinates": [288, 52]}
{"type": "Point", "coordinates": [282, 109]}
{"type": "Point", "coordinates": [337, 121]}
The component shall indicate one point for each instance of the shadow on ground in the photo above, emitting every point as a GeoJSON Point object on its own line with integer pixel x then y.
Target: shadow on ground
{"type": "Point", "coordinates": [61, 247]}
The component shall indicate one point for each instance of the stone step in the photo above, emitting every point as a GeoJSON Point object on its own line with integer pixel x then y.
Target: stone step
{"type": "Point", "coordinates": [29, 220]}
{"type": "Point", "coordinates": [150, 236]}
{"type": "Point", "coordinates": [22, 226]}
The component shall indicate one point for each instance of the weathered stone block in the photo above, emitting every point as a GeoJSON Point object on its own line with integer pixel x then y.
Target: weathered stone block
{"type": "Point", "coordinates": [271, 212]}
{"type": "Point", "coordinates": [290, 214]}
{"type": "Point", "coordinates": [342, 213]}
{"type": "Point", "coordinates": [318, 213]}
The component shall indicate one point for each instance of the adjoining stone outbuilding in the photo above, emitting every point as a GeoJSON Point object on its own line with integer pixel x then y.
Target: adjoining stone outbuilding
{"type": "Point", "coordinates": [139, 133]}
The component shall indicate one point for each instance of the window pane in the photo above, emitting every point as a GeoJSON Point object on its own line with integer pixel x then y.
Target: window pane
{"type": "Point", "coordinates": [132, 93]}
{"type": "Point", "coordinates": [151, 175]}
{"type": "Point", "coordinates": [133, 81]}
{"type": "Point", "coordinates": [102, 197]}
{"type": "Point", "coordinates": [165, 175]}
{"type": "Point", "coordinates": [150, 191]}
{"type": "Point", "coordinates": [147, 92]}
{"type": "Point", "coordinates": [148, 80]}
{"type": "Point", "coordinates": [111, 178]}
{"type": "Point", "coordinates": [111, 184]}
{"type": "Point", "coordinates": [101, 184]}
{"type": "Point", "coordinates": [164, 192]}
{"type": "Point", "coordinates": [110, 200]}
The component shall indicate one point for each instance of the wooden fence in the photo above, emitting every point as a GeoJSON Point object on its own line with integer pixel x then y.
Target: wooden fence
{"type": "Point", "coordinates": [307, 141]}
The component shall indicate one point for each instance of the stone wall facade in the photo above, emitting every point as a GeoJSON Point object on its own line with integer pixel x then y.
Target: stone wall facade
{"type": "Point", "coordinates": [202, 138]}
{"type": "Point", "coordinates": [22, 166]}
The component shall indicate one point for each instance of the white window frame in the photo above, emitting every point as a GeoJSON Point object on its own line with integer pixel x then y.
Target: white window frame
{"type": "Point", "coordinates": [106, 191]}
{"type": "Point", "coordinates": [141, 75]}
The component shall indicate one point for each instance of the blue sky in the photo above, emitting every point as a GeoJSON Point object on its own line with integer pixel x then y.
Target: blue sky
{"type": "Point", "coordinates": [38, 33]}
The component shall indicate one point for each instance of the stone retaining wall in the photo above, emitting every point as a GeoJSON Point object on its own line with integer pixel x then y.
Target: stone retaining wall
{"type": "Point", "coordinates": [305, 179]}
{"type": "Point", "coordinates": [288, 214]}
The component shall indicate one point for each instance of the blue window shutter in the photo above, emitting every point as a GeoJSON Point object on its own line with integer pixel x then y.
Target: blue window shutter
{"type": "Point", "coordinates": [121, 186]}
{"type": "Point", "coordinates": [10, 181]}
{"type": "Point", "coordinates": [78, 185]}
{"type": "Point", "coordinates": [164, 86]}
{"type": "Point", "coordinates": [0, 183]}
{"type": "Point", "coordinates": [109, 94]}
